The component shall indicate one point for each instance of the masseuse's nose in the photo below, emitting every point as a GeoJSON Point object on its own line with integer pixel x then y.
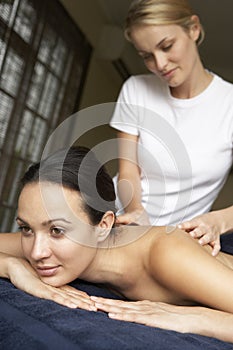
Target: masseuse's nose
{"type": "Point", "coordinates": [160, 60]}
{"type": "Point", "coordinates": [40, 248]}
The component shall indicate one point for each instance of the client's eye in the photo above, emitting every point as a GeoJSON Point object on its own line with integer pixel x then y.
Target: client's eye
{"type": "Point", "coordinates": [57, 232]}
{"type": "Point", "coordinates": [25, 230]}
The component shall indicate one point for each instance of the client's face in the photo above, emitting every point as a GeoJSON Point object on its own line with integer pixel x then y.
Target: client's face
{"type": "Point", "coordinates": [57, 237]}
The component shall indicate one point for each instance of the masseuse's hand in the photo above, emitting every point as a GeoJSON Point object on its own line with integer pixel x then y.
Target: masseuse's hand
{"type": "Point", "coordinates": [24, 277]}
{"type": "Point", "coordinates": [154, 314]}
{"type": "Point", "coordinates": [137, 216]}
{"type": "Point", "coordinates": [206, 228]}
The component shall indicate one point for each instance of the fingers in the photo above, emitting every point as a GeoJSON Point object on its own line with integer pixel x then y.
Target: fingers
{"type": "Point", "coordinates": [136, 317]}
{"type": "Point", "coordinates": [138, 216]}
{"type": "Point", "coordinates": [144, 312]}
{"type": "Point", "coordinates": [112, 305]}
{"type": "Point", "coordinates": [206, 238]}
{"type": "Point", "coordinates": [69, 301]}
{"type": "Point", "coordinates": [207, 234]}
{"type": "Point", "coordinates": [216, 247]}
{"type": "Point", "coordinates": [124, 219]}
{"type": "Point", "coordinates": [67, 297]}
{"type": "Point", "coordinates": [188, 225]}
{"type": "Point", "coordinates": [72, 290]}
{"type": "Point", "coordinates": [109, 304]}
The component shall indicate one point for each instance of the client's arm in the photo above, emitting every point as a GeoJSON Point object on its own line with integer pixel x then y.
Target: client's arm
{"type": "Point", "coordinates": [10, 243]}
{"type": "Point", "coordinates": [184, 319]}
{"type": "Point", "coordinates": [208, 227]}
{"type": "Point", "coordinates": [14, 267]}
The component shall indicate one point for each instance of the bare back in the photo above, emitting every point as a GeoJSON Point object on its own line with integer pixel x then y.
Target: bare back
{"type": "Point", "coordinates": [170, 266]}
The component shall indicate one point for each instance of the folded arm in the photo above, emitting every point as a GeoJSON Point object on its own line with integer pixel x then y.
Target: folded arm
{"type": "Point", "coordinates": [14, 267]}
{"type": "Point", "coordinates": [10, 243]}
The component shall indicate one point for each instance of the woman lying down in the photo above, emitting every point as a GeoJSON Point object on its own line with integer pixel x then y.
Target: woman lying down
{"type": "Point", "coordinates": [66, 223]}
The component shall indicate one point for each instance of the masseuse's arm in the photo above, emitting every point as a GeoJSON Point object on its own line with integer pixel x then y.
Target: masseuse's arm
{"type": "Point", "coordinates": [129, 183]}
{"type": "Point", "coordinates": [210, 226]}
{"type": "Point", "coordinates": [14, 267]}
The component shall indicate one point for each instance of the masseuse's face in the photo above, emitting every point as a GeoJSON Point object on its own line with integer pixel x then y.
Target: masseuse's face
{"type": "Point", "coordinates": [167, 50]}
{"type": "Point", "coordinates": [57, 238]}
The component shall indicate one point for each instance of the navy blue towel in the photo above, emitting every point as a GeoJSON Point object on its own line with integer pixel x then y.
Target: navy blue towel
{"type": "Point", "coordinates": [27, 323]}
{"type": "Point", "coordinates": [226, 241]}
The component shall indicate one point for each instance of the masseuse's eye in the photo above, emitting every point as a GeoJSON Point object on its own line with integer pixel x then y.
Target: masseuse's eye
{"type": "Point", "coordinates": [147, 57]}
{"type": "Point", "coordinates": [57, 232]}
{"type": "Point", "coordinates": [25, 230]}
{"type": "Point", "coordinates": [167, 47]}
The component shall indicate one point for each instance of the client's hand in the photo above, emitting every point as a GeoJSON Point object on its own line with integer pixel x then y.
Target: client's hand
{"type": "Point", "coordinates": [24, 277]}
{"type": "Point", "coordinates": [184, 319]}
{"type": "Point", "coordinates": [207, 228]}
{"type": "Point", "coordinates": [155, 314]}
{"type": "Point", "coordinates": [137, 216]}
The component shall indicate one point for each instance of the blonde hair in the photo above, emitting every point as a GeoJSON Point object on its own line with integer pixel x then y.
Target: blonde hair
{"type": "Point", "coordinates": [160, 12]}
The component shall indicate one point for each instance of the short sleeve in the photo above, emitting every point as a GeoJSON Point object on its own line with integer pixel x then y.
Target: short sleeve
{"type": "Point", "coordinates": [126, 113]}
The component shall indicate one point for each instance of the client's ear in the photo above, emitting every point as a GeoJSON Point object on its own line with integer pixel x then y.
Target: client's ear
{"type": "Point", "coordinates": [105, 225]}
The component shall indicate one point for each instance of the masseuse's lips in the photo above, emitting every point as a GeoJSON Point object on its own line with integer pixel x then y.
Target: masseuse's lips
{"type": "Point", "coordinates": [47, 271]}
{"type": "Point", "coordinates": [169, 73]}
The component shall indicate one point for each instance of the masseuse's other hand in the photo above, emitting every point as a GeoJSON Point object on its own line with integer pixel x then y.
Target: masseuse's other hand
{"type": "Point", "coordinates": [138, 216]}
{"type": "Point", "coordinates": [24, 277]}
{"type": "Point", "coordinates": [206, 228]}
{"type": "Point", "coordinates": [154, 314]}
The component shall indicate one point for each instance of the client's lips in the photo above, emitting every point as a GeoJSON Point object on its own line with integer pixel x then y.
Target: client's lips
{"type": "Point", "coordinates": [47, 270]}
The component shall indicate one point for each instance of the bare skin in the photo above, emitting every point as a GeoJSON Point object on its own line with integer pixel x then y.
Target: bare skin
{"type": "Point", "coordinates": [208, 227]}
{"type": "Point", "coordinates": [155, 263]}
{"type": "Point", "coordinates": [198, 320]}
{"type": "Point", "coordinates": [159, 273]}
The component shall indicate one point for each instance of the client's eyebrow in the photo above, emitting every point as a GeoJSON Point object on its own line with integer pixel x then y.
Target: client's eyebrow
{"type": "Point", "coordinates": [45, 223]}
{"type": "Point", "coordinates": [58, 219]}
{"type": "Point", "coordinates": [19, 219]}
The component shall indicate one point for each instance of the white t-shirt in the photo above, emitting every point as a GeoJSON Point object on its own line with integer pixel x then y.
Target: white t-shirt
{"type": "Point", "coordinates": [184, 145]}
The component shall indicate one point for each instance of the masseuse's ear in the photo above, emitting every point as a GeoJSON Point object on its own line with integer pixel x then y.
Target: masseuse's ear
{"type": "Point", "coordinates": [105, 225]}
{"type": "Point", "coordinates": [195, 28]}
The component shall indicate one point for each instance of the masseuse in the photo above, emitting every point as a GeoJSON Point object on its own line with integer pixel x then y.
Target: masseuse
{"type": "Point", "coordinates": [175, 125]}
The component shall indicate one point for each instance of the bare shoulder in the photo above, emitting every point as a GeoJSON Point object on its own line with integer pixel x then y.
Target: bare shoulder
{"type": "Point", "coordinates": [170, 237]}
{"type": "Point", "coordinates": [173, 246]}
{"type": "Point", "coordinates": [180, 264]}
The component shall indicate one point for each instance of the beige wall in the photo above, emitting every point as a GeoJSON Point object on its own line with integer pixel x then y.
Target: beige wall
{"type": "Point", "coordinates": [103, 81]}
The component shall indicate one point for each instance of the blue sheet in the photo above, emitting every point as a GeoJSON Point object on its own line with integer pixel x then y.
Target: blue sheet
{"type": "Point", "coordinates": [30, 323]}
